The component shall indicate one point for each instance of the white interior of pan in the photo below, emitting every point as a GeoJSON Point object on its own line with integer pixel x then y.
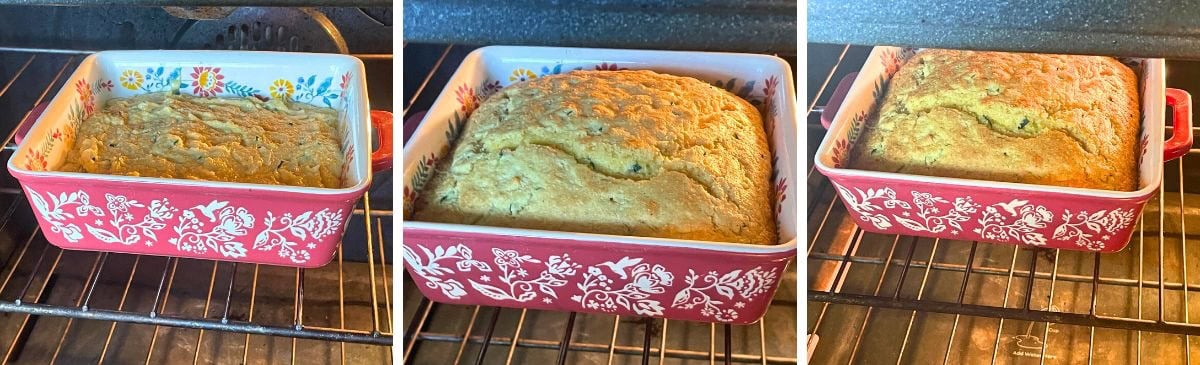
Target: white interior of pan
{"type": "Point", "coordinates": [332, 81]}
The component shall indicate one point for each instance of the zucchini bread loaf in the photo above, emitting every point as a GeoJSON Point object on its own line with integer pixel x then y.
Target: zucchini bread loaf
{"type": "Point", "coordinates": [612, 152]}
{"type": "Point", "coordinates": [216, 139]}
{"type": "Point", "coordinates": [1027, 118]}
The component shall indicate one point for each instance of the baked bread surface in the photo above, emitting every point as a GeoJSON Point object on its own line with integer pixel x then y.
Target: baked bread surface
{"type": "Point", "coordinates": [613, 152]}
{"type": "Point", "coordinates": [216, 139]}
{"type": "Point", "coordinates": [1028, 118]}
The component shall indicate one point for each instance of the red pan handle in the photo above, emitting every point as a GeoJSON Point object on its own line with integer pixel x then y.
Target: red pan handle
{"type": "Point", "coordinates": [27, 123]}
{"type": "Point", "coordinates": [381, 158]}
{"type": "Point", "coordinates": [835, 100]}
{"type": "Point", "coordinates": [1180, 102]}
{"type": "Point", "coordinates": [411, 123]}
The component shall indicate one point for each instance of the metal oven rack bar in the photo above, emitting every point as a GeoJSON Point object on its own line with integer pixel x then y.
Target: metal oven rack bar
{"type": "Point", "coordinates": [896, 297]}
{"type": "Point", "coordinates": [123, 308]}
{"type": "Point", "coordinates": [443, 333]}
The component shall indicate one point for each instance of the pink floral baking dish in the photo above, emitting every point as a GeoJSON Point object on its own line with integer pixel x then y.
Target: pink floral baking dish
{"type": "Point", "coordinates": [252, 223]}
{"type": "Point", "coordinates": [974, 210]}
{"type": "Point", "coordinates": [629, 276]}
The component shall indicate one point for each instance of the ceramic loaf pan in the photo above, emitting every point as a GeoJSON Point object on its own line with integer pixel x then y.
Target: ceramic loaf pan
{"type": "Point", "coordinates": [974, 210]}
{"type": "Point", "coordinates": [252, 223]}
{"type": "Point", "coordinates": [629, 276]}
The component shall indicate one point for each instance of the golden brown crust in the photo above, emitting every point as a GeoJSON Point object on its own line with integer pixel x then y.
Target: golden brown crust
{"type": "Point", "coordinates": [216, 139]}
{"type": "Point", "coordinates": [614, 152]}
{"type": "Point", "coordinates": [1029, 118]}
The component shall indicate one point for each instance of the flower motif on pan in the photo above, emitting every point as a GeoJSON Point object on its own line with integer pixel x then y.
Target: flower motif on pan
{"type": "Point", "coordinates": [155, 79]}
{"type": "Point", "coordinates": [347, 161]}
{"type": "Point", "coordinates": [713, 291]}
{"type": "Point", "coordinates": [437, 264]}
{"type": "Point", "coordinates": [1145, 143]}
{"type": "Point", "coordinates": [871, 203]}
{"type": "Point", "coordinates": [282, 89]}
{"type": "Point", "coordinates": [893, 60]}
{"type": "Point", "coordinates": [891, 63]}
{"type": "Point", "coordinates": [466, 97]}
{"type": "Point", "coordinates": [1010, 220]}
{"type": "Point", "coordinates": [207, 81]}
{"type": "Point", "coordinates": [310, 89]}
{"type": "Point", "coordinates": [840, 153]}
{"type": "Point", "coordinates": [517, 284]}
{"type": "Point", "coordinates": [38, 159]}
{"type": "Point", "coordinates": [547, 70]}
{"type": "Point", "coordinates": [292, 231]}
{"type": "Point", "coordinates": [628, 283]}
{"type": "Point", "coordinates": [930, 218]}
{"type": "Point", "coordinates": [1083, 227]}
{"type": "Point", "coordinates": [1024, 225]}
{"type": "Point", "coordinates": [771, 84]}
{"type": "Point", "coordinates": [86, 96]}
{"type": "Point", "coordinates": [487, 89]}
{"type": "Point", "coordinates": [605, 66]}
{"type": "Point", "coordinates": [57, 212]}
{"type": "Point", "coordinates": [521, 74]}
{"type": "Point", "coordinates": [217, 228]}
{"type": "Point", "coordinates": [125, 230]}
{"type": "Point", "coordinates": [509, 257]}
{"type": "Point", "coordinates": [780, 194]}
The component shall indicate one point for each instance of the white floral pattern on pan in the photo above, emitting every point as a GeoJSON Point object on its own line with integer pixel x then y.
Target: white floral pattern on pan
{"type": "Point", "coordinates": [1087, 226]}
{"type": "Point", "coordinates": [215, 228]}
{"type": "Point", "coordinates": [308, 224]}
{"type": "Point", "coordinates": [127, 232]}
{"type": "Point", "coordinates": [1024, 228]}
{"type": "Point", "coordinates": [54, 212]}
{"type": "Point", "coordinates": [1015, 221]}
{"type": "Point", "coordinates": [731, 286]}
{"type": "Point", "coordinates": [930, 218]}
{"type": "Point", "coordinates": [639, 281]}
{"type": "Point", "coordinates": [513, 284]}
{"type": "Point", "coordinates": [430, 267]}
{"type": "Point", "coordinates": [627, 285]}
{"type": "Point", "coordinates": [864, 204]}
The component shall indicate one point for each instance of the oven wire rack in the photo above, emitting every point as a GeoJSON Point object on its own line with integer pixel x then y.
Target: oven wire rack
{"type": "Point", "coordinates": [877, 298]}
{"type": "Point", "coordinates": [62, 306]}
{"type": "Point", "coordinates": [456, 334]}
